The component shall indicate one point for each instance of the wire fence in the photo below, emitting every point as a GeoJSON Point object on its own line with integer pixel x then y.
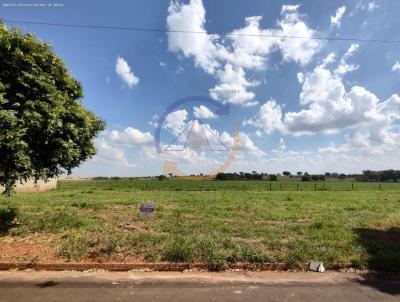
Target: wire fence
{"type": "Point", "coordinates": [212, 185]}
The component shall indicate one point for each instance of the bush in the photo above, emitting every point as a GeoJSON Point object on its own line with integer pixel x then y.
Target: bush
{"type": "Point", "coordinates": [273, 177]}
{"type": "Point", "coordinates": [100, 178]}
{"type": "Point", "coordinates": [162, 177]}
{"type": "Point", "coordinates": [251, 255]}
{"type": "Point", "coordinates": [181, 249]}
{"type": "Point", "coordinates": [8, 215]}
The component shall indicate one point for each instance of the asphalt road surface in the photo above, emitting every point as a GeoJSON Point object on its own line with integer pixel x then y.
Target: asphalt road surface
{"type": "Point", "coordinates": [268, 286]}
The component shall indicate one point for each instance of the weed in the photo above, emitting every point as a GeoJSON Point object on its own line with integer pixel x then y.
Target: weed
{"type": "Point", "coordinates": [79, 245]}
{"type": "Point", "coordinates": [181, 249]}
{"type": "Point", "coordinates": [60, 221]}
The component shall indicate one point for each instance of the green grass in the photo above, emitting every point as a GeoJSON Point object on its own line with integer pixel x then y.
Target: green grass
{"type": "Point", "coordinates": [216, 222]}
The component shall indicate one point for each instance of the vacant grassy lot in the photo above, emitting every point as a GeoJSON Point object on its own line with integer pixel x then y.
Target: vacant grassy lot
{"type": "Point", "coordinates": [208, 221]}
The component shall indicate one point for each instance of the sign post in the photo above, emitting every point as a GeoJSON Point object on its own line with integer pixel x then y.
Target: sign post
{"type": "Point", "coordinates": [146, 209]}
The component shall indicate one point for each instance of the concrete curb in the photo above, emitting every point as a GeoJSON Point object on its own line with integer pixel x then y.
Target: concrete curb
{"type": "Point", "coordinates": [103, 278]}
{"type": "Point", "coordinates": [123, 267]}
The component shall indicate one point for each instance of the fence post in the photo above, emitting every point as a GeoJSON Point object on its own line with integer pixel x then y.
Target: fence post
{"type": "Point", "coordinates": [324, 186]}
{"type": "Point", "coordinates": [315, 185]}
{"type": "Point", "coordinates": [352, 186]}
{"type": "Point", "coordinates": [270, 186]}
{"type": "Point", "coordinates": [297, 187]}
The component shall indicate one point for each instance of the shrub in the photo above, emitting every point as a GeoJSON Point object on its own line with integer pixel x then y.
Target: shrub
{"type": "Point", "coordinates": [306, 177]}
{"type": "Point", "coordinates": [162, 177]}
{"type": "Point", "coordinates": [181, 249]}
{"type": "Point", "coordinates": [273, 177]}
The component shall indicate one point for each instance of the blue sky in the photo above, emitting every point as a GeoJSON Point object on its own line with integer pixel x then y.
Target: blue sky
{"type": "Point", "coordinates": [300, 104]}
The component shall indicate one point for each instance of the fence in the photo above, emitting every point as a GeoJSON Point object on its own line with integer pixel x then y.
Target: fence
{"type": "Point", "coordinates": [213, 185]}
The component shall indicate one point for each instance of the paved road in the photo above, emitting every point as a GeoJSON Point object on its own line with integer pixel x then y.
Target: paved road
{"type": "Point", "coordinates": [62, 286]}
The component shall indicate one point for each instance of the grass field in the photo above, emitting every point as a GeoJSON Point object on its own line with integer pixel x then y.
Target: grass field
{"type": "Point", "coordinates": [214, 222]}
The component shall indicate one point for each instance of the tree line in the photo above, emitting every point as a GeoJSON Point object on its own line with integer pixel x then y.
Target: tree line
{"type": "Point", "coordinates": [367, 175]}
{"type": "Point", "coordinates": [385, 175]}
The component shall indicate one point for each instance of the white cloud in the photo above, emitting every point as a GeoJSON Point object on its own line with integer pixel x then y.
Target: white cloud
{"type": "Point", "coordinates": [352, 49]}
{"type": "Point", "coordinates": [333, 149]}
{"type": "Point", "coordinates": [370, 125]}
{"type": "Point", "coordinates": [360, 6]}
{"type": "Point", "coordinates": [337, 18]}
{"type": "Point", "coordinates": [124, 72]}
{"type": "Point", "coordinates": [175, 122]}
{"type": "Point", "coordinates": [330, 58]}
{"type": "Point", "coordinates": [300, 77]}
{"type": "Point", "coordinates": [269, 117]}
{"type": "Point", "coordinates": [372, 6]}
{"type": "Point", "coordinates": [300, 51]}
{"type": "Point", "coordinates": [289, 8]}
{"type": "Point", "coordinates": [191, 17]}
{"type": "Point", "coordinates": [229, 59]}
{"type": "Point", "coordinates": [246, 145]}
{"type": "Point", "coordinates": [330, 109]}
{"type": "Point", "coordinates": [343, 67]}
{"type": "Point", "coordinates": [131, 137]}
{"type": "Point", "coordinates": [396, 66]}
{"type": "Point", "coordinates": [109, 154]}
{"type": "Point", "coordinates": [233, 86]}
{"type": "Point", "coordinates": [202, 112]}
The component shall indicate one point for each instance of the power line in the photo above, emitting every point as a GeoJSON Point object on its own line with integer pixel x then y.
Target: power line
{"type": "Point", "coordinates": [200, 32]}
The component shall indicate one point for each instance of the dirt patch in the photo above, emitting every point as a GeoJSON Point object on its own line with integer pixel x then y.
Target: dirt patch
{"type": "Point", "coordinates": [134, 226]}
{"type": "Point", "coordinates": [283, 222]}
{"type": "Point", "coordinates": [248, 240]}
{"type": "Point", "coordinates": [29, 249]}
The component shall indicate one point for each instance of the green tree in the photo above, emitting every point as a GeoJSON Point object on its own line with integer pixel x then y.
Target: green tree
{"type": "Point", "coordinates": [44, 129]}
{"type": "Point", "coordinates": [162, 177]}
{"type": "Point", "coordinates": [273, 177]}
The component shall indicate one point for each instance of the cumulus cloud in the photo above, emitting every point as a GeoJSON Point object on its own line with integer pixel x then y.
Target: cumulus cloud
{"type": "Point", "coordinates": [131, 137]}
{"type": "Point", "coordinates": [370, 124]}
{"type": "Point", "coordinates": [109, 154]}
{"type": "Point", "coordinates": [191, 17]}
{"type": "Point", "coordinates": [298, 50]}
{"type": "Point", "coordinates": [175, 122]}
{"type": "Point", "coordinates": [197, 137]}
{"type": "Point", "coordinates": [246, 49]}
{"type": "Point", "coordinates": [268, 119]}
{"type": "Point", "coordinates": [233, 86]}
{"type": "Point", "coordinates": [246, 145]}
{"type": "Point", "coordinates": [337, 18]}
{"type": "Point", "coordinates": [124, 72]}
{"type": "Point", "coordinates": [396, 66]}
{"type": "Point", "coordinates": [330, 107]}
{"type": "Point", "coordinates": [202, 112]}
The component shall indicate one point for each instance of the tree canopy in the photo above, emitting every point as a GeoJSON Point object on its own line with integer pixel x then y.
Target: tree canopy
{"type": "Point", "coordinates": [44, 129]}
